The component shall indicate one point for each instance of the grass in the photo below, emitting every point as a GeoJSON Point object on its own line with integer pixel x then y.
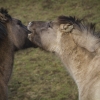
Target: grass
{"type": "Point", "coordinates": [38, 75]}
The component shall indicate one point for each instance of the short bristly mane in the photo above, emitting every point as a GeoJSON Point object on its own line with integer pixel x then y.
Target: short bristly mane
{"type": "Point", "coordinates": [79, 23]}
{"type": "Point", "coordinates": [83, 33]}
{"type": "Point", "coordinates": [5, 12]}
{"type": "Point", "coordinates": [68, 19]}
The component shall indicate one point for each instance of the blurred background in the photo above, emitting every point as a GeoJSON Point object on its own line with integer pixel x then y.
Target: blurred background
{"type": "Point", "coordinates": [39, 75]}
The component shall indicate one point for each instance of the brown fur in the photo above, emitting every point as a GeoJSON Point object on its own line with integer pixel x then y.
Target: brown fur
{"type": "Point", "coordinates": [13, 36]}
{"type": "Point", "coordinates": [78, 46]}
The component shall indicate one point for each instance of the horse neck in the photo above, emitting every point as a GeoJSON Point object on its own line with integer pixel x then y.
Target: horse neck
{"type": "Point", "coordinates": [75, 58]}
{"type": "Point", "coordinates": [86, 39]}
{"type": "Point", "coordinates": [6, 59]}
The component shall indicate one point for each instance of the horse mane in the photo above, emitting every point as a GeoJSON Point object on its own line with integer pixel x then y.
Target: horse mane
{"type": "Point", "coordinates": [68, 19]}
{"type": "Point", "coordinates": [79, 24]}
{"type": "Point", "coordinates": [84, 33]}
{"type": "Point", "coordinates": [3, 31]}
{"type": "Point", "coordinates": [5, 12]}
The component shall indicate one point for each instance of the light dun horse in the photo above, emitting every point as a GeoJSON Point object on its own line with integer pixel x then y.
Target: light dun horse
{"type": "Point", "coordinates": [78, 46]}
{"type": "Point", "coordinates": [13, 36]}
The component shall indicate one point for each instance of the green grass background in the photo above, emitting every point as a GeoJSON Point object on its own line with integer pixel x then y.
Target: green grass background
{"type": "Point", "coordinates": [39, 75]}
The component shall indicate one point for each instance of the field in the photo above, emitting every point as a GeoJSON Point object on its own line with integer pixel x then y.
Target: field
{"type": "Point", "coordinates": [39, 75]}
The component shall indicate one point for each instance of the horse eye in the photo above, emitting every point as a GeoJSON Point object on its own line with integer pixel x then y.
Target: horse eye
{"type": "Point", "coordinates": [50, 25]}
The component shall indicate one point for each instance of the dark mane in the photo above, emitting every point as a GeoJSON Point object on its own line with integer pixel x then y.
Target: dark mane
{"type": "Point", "coordinates": [5, 12]}
{"type": "Point", "coordinates": [3, 31]}
{"type": "Point", "coordinates": [79, 24]}
{"type": "Point", "coordinates": [70, 20]}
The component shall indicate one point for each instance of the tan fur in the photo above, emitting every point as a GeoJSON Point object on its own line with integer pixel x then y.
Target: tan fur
{"type": "Point", "coordinates": [78, 49]}
{"type": "Point", "coordinates": [86, 40]}
{"type": "Point", "coordinates": [83, 66]}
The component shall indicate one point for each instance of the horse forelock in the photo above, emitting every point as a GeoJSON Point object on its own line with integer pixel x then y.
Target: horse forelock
{"type": "Point", "coordinates": [5, 12]}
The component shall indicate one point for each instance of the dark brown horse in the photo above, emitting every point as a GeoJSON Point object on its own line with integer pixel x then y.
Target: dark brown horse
{"type": "Point", "coordinates": [13, 36]}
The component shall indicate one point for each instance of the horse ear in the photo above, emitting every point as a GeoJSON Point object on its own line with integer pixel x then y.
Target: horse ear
{"type": "Point", "coordinates": [66, 28]}
{"type": "Point", "coordinates": [3, 18]}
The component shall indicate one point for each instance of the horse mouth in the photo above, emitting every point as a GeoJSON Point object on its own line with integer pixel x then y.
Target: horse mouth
{"type": "Point", "coordinates": [29, 32]}
{"type": "Point", "coordinates": [29, 36]}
